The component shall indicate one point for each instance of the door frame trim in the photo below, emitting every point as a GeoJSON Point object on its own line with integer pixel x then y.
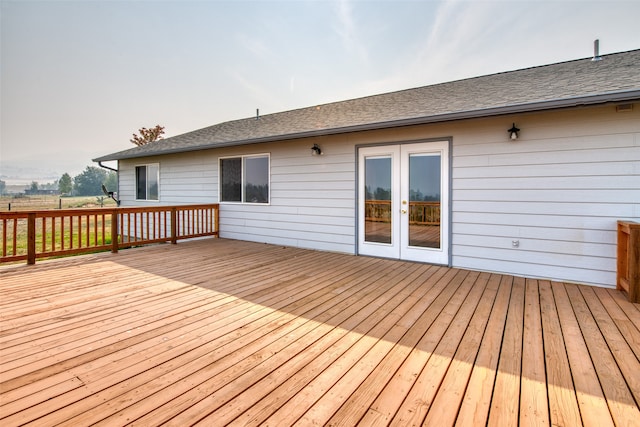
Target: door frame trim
{"type": "Point", "coordinates": [449, 141]}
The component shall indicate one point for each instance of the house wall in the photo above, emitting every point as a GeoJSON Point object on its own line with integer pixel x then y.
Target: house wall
{"type": "Point", "coordinates": [312, 201]}
{"type": "Point", "coordinates": [558, 190]}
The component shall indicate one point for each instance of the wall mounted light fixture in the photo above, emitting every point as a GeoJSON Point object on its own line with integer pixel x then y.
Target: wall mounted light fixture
{"type": "Point", "coordinates": [315, 150]}
{"type": "Point", "coordinates": [513, 132]}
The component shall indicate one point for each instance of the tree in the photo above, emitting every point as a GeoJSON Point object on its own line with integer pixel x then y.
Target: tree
{"type": "Point", "coordinates": [49, 186]}
{"type": "Point", "coordinates": [147, 135]}
{"type": "Point", "coordinates": [3, 187]}
{"type": "Point", "coordinates": [34, 186]}
{"type": "Point", "coordinates": [65, 184]}
{"type": "Point", "coordinates": [89, 182]}
{"type": "Point", "coordinates": [111, 182]}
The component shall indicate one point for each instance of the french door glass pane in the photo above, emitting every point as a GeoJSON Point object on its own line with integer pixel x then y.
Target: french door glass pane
{"type": "Point", "coordinates": [424, 200]}
{"type": "Point", "coordinates": [377, 199]}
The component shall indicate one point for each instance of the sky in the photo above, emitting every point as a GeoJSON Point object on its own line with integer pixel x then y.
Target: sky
{"type": "Point", "coordinates": [78, 78]}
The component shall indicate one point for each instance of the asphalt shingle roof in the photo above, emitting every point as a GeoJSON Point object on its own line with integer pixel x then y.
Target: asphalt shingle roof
{"type": "Point", "coordinates": [580, 82]}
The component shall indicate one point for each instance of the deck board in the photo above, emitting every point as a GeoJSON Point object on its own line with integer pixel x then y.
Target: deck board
{"type": "Point", "coordinates": [534, 409]}
{"type": "Point", "coordinates": [563, 402]}
{"type": "Point", "coordinates": [216, 332]}
{"type": "Point", "coordinates": [504, 409]}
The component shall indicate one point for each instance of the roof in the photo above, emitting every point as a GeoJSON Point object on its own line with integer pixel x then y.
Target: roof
{"type": "Point", "coordinates": [615, 78]}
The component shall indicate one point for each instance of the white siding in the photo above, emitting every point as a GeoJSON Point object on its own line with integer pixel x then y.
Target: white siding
{"type": "Point", "coordinates": [312, 198]}
{"type": "Point", "coordinates": [184, 179]}
{"type": "Point", "coordinates": [558, 190]}
{"type": "Point", "coordinates": [312, 203]}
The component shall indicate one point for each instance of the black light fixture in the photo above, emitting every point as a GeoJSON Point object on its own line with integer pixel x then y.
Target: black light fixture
{"type": "Point", "coordinates": [513, 132]}
{"type": "Point", "coordinates": [315, 150]}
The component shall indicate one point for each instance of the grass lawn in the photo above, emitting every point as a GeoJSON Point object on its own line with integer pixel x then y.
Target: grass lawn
{"type": "Point", "coordinates": [31, 203]}
{"type": "Point", "coordinates": [54, 233]}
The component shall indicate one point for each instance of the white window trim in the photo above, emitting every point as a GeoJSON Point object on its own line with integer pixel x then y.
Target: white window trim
{"type": "Point", "coordinates": [244, 156]}
{"type": "Point", "coordinates": [135, 172]}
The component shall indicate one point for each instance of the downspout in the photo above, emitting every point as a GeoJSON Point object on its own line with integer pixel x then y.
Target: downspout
{"type": "Point", "coordinates": [107, 167]}
{"type": "Point", "coordinates": [117, 181]}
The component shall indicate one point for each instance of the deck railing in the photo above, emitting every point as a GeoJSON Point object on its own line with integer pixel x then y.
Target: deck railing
{"type": "Point", "coordinates": [421, 213]}
{"type": "Point", "coordinates": [29, 235]}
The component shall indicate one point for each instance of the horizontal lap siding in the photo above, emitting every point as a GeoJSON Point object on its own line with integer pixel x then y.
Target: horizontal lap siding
{"type": "Point", "coordinates": [558, 191]}
{"type": "Point", "coordinates": [187, 178]}
{"type": "Point", "coordinates": [312, 201]}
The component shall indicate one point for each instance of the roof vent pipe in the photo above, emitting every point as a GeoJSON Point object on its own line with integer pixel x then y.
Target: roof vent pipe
{"type": "Point", "coordinates": [596, 50]}
{"type": "Point", "coordinates": [257, 113]}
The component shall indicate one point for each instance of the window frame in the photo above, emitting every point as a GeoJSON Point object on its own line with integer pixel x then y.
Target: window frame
{"type": "Point", "coordinates": [243, 158]}
{"type": "Point", "coordinates": [147, 167]}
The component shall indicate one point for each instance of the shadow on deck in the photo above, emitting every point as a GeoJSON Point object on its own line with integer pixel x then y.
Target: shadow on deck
{"type": "Point", "coordinates": [219, 331]}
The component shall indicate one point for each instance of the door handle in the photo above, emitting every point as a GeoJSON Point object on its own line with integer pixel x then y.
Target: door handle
{"type": "Point", "coordinates": [404, 211]}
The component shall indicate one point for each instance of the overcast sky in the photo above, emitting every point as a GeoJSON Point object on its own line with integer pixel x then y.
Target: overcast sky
{"type": "Point", "coordinates": [79, 77]}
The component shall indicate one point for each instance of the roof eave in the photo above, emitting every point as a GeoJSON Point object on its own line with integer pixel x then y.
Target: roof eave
{"type": "Point", "coordinates": [619, 96]}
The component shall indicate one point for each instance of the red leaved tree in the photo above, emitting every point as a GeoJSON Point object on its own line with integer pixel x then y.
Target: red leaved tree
{"type": "Point", "coordinates": [147, 135]}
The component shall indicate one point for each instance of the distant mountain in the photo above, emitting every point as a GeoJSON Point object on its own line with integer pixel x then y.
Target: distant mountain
{"type": "Point", "coordinates": [18, 175]}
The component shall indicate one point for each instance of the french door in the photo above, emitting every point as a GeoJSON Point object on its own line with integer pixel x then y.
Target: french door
{"type": "Point", "coordinates": [403, 201]}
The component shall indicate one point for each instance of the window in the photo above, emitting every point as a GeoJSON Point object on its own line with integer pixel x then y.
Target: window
{"type": "Point", "coordinates": [245, 179]}
{"type": "Point", "coordinates": [147, 178]}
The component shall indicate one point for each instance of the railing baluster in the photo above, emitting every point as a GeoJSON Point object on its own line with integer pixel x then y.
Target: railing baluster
{"type": "Point", "coordinates": [62, 232]}
{"type": "Point", "coordinates": [53, 234]}
{"type": "Point", "coordinates": [4, 237]}
{"type": "Point", "coordinates": [70, 227]}
{"type": "Point", "coordinates": [44, 234]}
{"type": "Point", "coordinates": [15, 235]}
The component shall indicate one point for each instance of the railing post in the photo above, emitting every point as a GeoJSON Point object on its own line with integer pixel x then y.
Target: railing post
{"type": "Point", "coordinates": [31, 238]}
{"type": "Point", "coordinates": [174, 225]}
{"type": "Point", "coordinates": [114, 231]}
{"type": "Point", "coordinates": [216, 216]}
{"type": "Point", "coordinates": [634, 264]}
{"type": "Point", "coordinates": [628, 260]}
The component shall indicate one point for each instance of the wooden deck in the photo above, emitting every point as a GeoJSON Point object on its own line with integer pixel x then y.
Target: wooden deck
{"type": "Point", "coordinates": [217, 332]}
